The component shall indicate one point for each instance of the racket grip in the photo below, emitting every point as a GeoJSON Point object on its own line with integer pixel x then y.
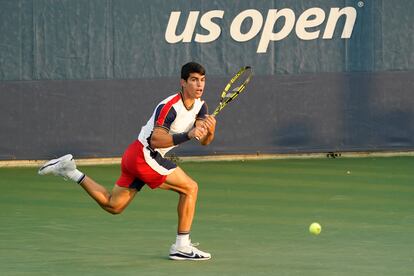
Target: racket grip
{"type": "Point", "coordinates": [198, 139]}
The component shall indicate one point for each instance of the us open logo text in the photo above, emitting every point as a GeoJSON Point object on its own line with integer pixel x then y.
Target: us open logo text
{"type": "Point", "coordinates": [308, 25]}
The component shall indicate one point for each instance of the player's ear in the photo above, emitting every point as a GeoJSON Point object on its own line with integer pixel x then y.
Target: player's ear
{"type": "Point", "coordinates": [182, 83]}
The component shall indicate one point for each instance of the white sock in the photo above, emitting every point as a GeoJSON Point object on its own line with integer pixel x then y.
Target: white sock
{"type": "Point", "coordinates": [76, 175]}
{"type": "Point", "coordinates": [182, 240]}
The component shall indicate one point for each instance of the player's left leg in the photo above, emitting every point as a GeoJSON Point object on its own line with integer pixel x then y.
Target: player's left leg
{"type": "Point", "coordinates": [187, 189]}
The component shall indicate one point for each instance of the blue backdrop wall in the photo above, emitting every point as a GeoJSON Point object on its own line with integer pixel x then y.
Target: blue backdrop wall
{"type": "Point", "coordinates": [83, 76]}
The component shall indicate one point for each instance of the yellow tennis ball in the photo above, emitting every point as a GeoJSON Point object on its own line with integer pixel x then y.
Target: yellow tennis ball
{"type": "Point", "coordinates": [315, 228]}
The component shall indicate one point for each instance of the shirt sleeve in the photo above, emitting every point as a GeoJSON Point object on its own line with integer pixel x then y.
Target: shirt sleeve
{"type": "Point", "coordinates": [203, 111]}
{"type": "Point", "coordinates": [165, 116]}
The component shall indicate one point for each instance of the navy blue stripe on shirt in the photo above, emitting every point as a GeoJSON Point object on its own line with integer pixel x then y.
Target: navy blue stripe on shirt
{"type": "Point", "coordinates": [203, 111]}
{"type": "Point", "coordinates": [164, 162]}
{"type": "Point", "coordinates": [169, 118]}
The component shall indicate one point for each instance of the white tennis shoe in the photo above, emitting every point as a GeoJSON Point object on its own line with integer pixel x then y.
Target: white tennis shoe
{"type": "Point", "coordinates": [64, 166]}
{"type": "Point", "coordinates": [189, 252]}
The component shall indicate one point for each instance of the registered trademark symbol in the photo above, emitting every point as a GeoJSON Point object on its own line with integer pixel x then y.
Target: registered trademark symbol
{"type": "Point", "coordinates": [361, 4]}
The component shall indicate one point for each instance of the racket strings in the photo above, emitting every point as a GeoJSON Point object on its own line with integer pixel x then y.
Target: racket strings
{"type": "Point", "coordinates": [236, 85]}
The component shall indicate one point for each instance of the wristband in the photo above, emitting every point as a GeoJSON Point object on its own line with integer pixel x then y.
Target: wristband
{"type": "Point", "coordinates": [180, 138]}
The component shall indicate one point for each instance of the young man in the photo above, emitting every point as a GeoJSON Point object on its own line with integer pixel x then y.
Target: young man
{"type": "Point", "coordinates": [175, 120]}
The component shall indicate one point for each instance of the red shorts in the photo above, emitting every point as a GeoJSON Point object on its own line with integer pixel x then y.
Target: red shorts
{"type": "Point", "coordinates": [141, 165]}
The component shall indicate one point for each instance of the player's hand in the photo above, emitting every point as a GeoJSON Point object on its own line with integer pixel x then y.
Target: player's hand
{"type": "Point", "coordinates": [197, 132]}
{"type": "Point", "coordinates": [209, 123]}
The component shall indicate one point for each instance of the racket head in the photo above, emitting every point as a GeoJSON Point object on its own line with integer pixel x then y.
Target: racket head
{"type": "Point", "coordinates": [234, 87]}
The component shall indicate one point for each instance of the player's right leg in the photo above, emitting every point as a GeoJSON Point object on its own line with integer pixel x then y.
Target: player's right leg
{"type": "Point", "coordinates": [113, 202]}
{"type": "Point", "coordinates": [64, 166]}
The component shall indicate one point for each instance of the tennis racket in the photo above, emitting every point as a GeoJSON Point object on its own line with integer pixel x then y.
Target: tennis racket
{"type": "Point", "coordinates": [234, 87]}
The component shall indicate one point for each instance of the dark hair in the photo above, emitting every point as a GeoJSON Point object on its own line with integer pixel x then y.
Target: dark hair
{"type": "Point", "coordinates": [192, 67]}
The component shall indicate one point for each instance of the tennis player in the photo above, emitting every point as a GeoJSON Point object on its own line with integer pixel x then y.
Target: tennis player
{"type": "Point", "coordinates": [175, 120]}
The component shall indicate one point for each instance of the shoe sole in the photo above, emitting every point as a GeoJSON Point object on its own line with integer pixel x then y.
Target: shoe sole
{"type": "Point", "coordinates": [176, 258]}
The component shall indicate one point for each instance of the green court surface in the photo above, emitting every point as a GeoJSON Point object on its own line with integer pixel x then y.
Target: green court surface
{"type": "Point", "coordinates": [253, 217]}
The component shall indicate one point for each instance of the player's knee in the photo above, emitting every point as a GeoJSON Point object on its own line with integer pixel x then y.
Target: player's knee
{"type": "Point", "coordinates": [114, 210]}
{"type": "Point", "coordinates": [192, 188]}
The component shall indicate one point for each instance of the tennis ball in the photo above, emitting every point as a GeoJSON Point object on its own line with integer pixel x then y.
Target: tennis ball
{"type": "Point", "coordinates": [315, 228]}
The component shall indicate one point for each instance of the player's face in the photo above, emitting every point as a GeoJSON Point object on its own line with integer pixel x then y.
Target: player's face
{"type": "Point", "coordinates": [193, 87]}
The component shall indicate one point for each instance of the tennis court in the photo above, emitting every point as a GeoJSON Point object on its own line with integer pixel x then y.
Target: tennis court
{"type": "Point", "coordinates": [253, 216]}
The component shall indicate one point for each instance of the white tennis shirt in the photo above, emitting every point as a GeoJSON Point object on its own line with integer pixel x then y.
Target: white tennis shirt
{"type": "Point", "coordinates": [172, 115]}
